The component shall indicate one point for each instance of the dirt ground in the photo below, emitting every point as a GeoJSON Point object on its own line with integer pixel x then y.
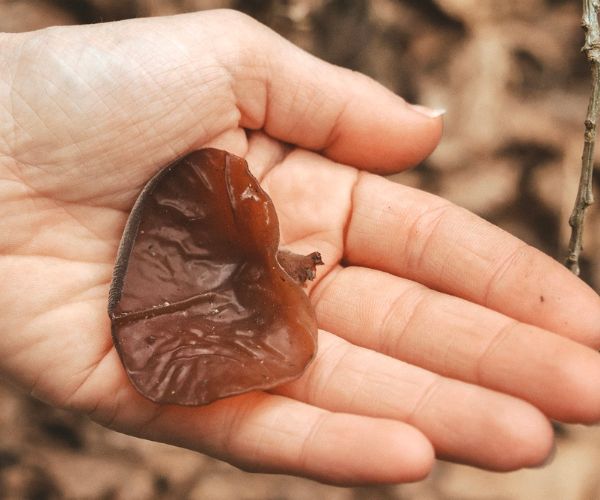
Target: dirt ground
{"type": "Point", "coordinates": [515, 86]}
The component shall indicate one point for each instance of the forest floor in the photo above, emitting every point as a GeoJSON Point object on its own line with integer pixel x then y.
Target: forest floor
{"type": "Point", "coordinates": [515, 86]}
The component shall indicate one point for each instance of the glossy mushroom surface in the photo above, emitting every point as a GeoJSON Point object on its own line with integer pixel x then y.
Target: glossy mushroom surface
{"type": "Point", "coordinates": [202, 303]}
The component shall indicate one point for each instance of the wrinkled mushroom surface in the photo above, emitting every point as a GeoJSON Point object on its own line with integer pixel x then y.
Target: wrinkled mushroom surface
{"type": "Point", "coordinates": [201, 306]}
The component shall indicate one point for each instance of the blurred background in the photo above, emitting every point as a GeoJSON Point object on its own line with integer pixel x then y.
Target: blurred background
{"type": "Point", "coordinates": [515, 85]}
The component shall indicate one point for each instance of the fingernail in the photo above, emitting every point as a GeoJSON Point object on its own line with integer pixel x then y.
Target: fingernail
{"type": "Point", "coordinates": [428, 112]}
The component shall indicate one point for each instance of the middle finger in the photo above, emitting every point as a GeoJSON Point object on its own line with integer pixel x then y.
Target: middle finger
{"type": "Point", "coordinates": [465, 423]}
{"type": "Point", "coordinates": [459, 339]}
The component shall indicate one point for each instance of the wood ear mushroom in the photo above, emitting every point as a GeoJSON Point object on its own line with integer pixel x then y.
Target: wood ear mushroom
{"type": "Point", "coordinates": [202, 303]}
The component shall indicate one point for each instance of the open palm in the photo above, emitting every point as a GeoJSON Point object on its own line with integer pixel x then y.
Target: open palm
{"type": "Point", "coordinates": [439, 331]}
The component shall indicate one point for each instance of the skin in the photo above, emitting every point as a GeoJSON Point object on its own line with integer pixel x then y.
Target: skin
{"type": "Point", "coordinates": [440, 333]}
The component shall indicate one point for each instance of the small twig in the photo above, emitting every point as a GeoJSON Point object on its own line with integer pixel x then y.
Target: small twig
{"type": "Point", "coordinates": [585, 197]}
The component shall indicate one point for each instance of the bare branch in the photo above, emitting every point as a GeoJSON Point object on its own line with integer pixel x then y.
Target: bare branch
{"type": "Point", "coordinates": [585, 196]}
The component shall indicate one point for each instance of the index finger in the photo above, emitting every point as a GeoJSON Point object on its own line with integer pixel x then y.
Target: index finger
{"type": "Point", "coordinates": [422, 237]}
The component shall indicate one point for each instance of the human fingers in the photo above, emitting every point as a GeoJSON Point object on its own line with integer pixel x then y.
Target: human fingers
{"type": "Point", "coordinates": [300, 99]}
{"type": "Point", "coordinates": [319, 106]}
{"type": "Point", "coordinates": [465, 423]}
{"type": "Point", "coordinates": [424, 238]}
{"type": "Point", "coordinates": [458, 339]}
{"type": "Point", "coordinates": [261, 432]}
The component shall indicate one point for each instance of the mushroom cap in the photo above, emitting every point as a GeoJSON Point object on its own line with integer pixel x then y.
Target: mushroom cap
{"type": "Point", "coordinates": [200, 306]}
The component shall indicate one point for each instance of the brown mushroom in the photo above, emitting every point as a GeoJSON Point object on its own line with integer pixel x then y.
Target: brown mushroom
{"type": "Point", "coordinates": [202, 303]}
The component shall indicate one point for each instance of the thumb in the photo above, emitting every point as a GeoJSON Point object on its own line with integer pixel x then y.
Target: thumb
{"type": "Point", "coordinates": [316, 105]}
{"type": "Point", "coordinates": [110, 94]}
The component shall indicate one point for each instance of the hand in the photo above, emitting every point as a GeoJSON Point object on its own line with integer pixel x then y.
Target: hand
{"type": "Point", "coordinates": [439, 331]}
